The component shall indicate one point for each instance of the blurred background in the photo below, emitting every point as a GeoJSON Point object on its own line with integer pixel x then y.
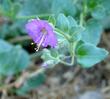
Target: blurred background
{"type": "Point", "coordinates": [60, 82]}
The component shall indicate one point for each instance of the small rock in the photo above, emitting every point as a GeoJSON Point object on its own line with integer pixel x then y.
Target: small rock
{"type": "Point", "coordinates": [68, 76]}
{"type": "Point", "coordinates": [92, 95]}
{"type": "Point", "coordinates": [54, 81]}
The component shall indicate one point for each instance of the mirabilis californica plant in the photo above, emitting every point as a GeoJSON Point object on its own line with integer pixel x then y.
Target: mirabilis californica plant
{"type": "Point", "coordinates": [66, 35]}
{"type": "Point", "coordinates": [72, 37]}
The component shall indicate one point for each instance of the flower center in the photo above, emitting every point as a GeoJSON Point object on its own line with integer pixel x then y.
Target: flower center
{"type": "Point", "coordinates": [44, 31]}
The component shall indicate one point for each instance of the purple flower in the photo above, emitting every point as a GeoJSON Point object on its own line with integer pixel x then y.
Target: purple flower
{"type": "Point", "coordinates": [42, 33]}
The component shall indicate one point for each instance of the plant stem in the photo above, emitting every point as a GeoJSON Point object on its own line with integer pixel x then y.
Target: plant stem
{"type": "Point", "coordinates": [72, 49]}
{"type": "Point", "coordinates": [34, 16]}
{"type": "Point", "coordinates": [19, 39]}
{"type": "Point", "coordinates": [68, 64]}
{"type": "Point", "coordinates": [81, 19]}
{"type": "Point", "coordinates": [22, 79]}
{"type": "Point", "coordinates": [41, 70]}
{"type": "Point", "coordinates": [83, 13]}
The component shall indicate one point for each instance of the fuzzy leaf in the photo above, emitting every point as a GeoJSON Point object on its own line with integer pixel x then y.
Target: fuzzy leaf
{"type": "Point", "coordinates": [62, 23]}
{"type": "Point", "coordinates": [12, 59]}
{"type": "Point", "coordinates": [88, 55]}
{"type": "Point", "coordinates": [92, 32]}
{"type": "Point", "coordinates": [31, 83]}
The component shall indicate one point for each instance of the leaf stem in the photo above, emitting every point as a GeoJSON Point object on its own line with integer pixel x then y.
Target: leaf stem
{"type": "Point", "coordinates": [68, 64]}
{"type": "Point", "coordinates": [72, 49]}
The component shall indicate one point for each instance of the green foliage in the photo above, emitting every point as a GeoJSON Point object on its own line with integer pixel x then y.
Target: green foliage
{"type": "Point", "coordinates": [75, 33]}
{"type": "Point", "coordinates": [72, 22]}
{"type": "Point", "coordinates": [64, 6]}
{"type": "Point", "coordinates": [78, 25]}
{"type": "Point", "coordinates": [88, 55]}
{"type": "Point", "coordinates": [4, 46]}
{"type": "Point", "coordinates": [10, 9]}
{"type": "Point", "coordinates": [12, 59]}
{"type": "Point", "coordinates": [62, 23]}
{"type": "Point", "coordinates": [69, 26]}
{"type": "Point", "coordinates": [75, 30]}
{"type": "Point", "coordinates": [32, 7]}
{"type": "Point", "coordinates": [99, 12]}
{"type": "Point", "coordinates": [52, 20]}
{"type": "Point", "coordinates": [105, 4]}
{"type": "Point", "coordinates": [51, 57]}
{"type": "Point", "coordinates": [31, 83]}
{"type": "Point", "coordinates": [92, 32]}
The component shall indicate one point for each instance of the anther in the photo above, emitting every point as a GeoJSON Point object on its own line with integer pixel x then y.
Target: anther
{"type": "Point", "coordinates": [32, 43]}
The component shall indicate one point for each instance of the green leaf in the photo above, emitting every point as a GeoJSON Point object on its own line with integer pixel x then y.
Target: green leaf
{"type": "Point", "coordinates": [12, 59]}
{"type": "Point", "coordinates": [4, 30]}
{"type": "Point", "coordinates": [63, 45]}
{"type": "Point", "coordinates": [62, 23]}
{"type": "Point", "coordinates": [31, 83]}
{"type": "Point", "coordinates": [79, 44]}
{"type": "Point", "coordinates": [4, 47]}
{"type": "Point", "coordinates": [75, 33]}
{"type": "Point", "coordinates": [99, 12]}
{"type": "Point", "coordinates": [92, 4]}
{"type": "Point", "coordinates": [6, 5]}
{"type": "Point", "coordinates": [72, 21]}
{"type": "Point", "coordinates": [92, 32]}
{"type": "Point", "coordinates": [75, 30]}
{"type": "Point", "coordinates": [15, 10]}
{"type": "Point", "coordinates": [54, 52]}
{"type": "Point", "coordinates": [88, 55]}
{"type": "Point", "coordinates": [51, 57]}
{"type": "Point", "coordinates": [34, 7]}
{"type": "Point", "coordinates": [64, 6]}
{"type": "Point", "coordinates": [51, 54]}
{"type": "Point", "coordinates": [106, 5]}
{"type": "Point", "coordinates": [52, 20]}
